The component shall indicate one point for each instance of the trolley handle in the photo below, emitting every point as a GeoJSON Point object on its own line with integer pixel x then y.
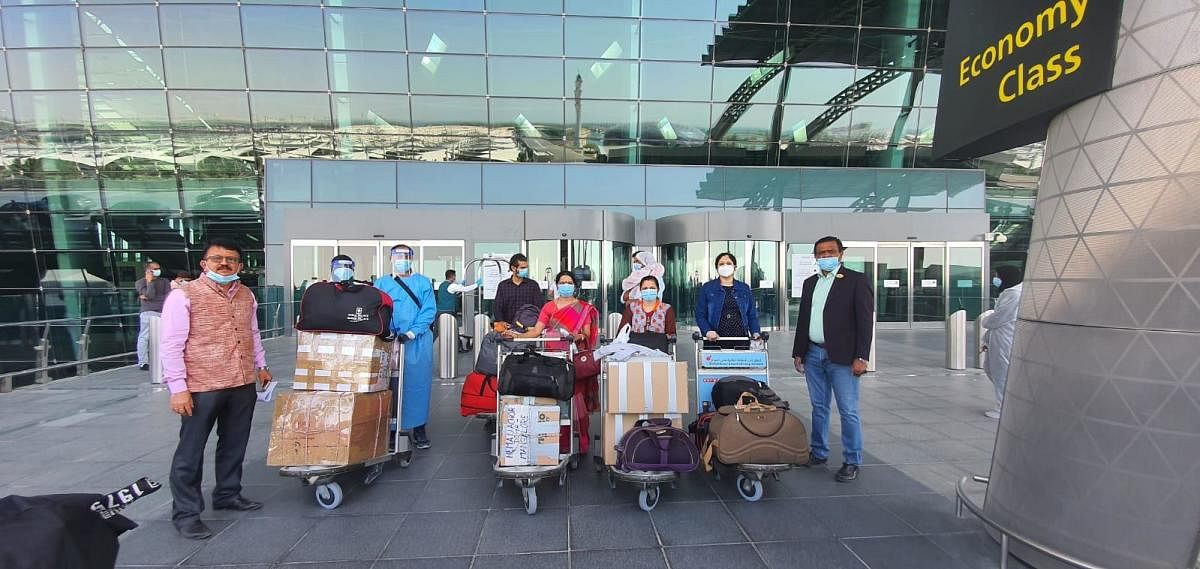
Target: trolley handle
{"type": "Point", "coordinates": [764, 336]}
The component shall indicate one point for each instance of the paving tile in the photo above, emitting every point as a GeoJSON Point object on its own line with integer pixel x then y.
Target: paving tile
{"type": "Point", "coordinates": [714, 557]}
{"type": "Point", "coordinates": [427, 563]}
{"type": "Point", "coordinates": [688, 523]}
{"type": "Point", "coordinates": [460, 494]}
{"type": "Point", "coordinates": [157, 542]}
{"type": "Point", "coordinates": [527, 561]}
{"type": "Point", "coordinates": [436, 535]}
{"type": "Point", "coordinates": [649, 558]}
{"type": "Point", "coordinates": [549, 495]}
{"type": "Point", "coordinates": [904, 552]}
{"type": "Point", "coordinates": [883, 479]}
{"type": "Point", "coordinates": [975, 550]}
{"type": "Point", "coordinates": [318, 565]}
{"type": "Point", "coordinates": [817, 553]}
{"type": "Point", "coordinates": [514, 531]}
{"type": "Point", "coordinates": [764, 520]}
{"type": "Point", "coordinates": [341, 538]}
{"type": "Point", "coordinates": [422, 467]}
{"type": "Point", "coordinates": [607, 527]}
{"type": "Point", "coordinates": [929, 513]}
{"type": "Point", "coordinates": [817, 481]}
{"type": "Point", "coordinates": [252, 540]}
{"type": "Point", "coordinates": [856, 516]}
{"type": "Point", "coordinates": [466, 466]}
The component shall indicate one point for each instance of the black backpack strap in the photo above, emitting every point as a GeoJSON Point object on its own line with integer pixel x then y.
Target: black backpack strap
{"type": "Point", "coordinates": [414, 298]}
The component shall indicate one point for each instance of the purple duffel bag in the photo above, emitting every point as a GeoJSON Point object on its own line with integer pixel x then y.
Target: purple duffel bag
{"type": "Point", "coordinates": [655, 445]}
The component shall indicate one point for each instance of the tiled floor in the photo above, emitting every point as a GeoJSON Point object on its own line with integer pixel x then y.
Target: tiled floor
{"type": "Point", "coordinates": [924, 430]}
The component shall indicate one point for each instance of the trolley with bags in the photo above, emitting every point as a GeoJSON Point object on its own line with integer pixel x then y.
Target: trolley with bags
{"type": "Point", "coordinates": [534, 411]}
{"type": "Point", "coordinates": [742, 424]}
{"type": "Point", "coordinates": [643, 400]}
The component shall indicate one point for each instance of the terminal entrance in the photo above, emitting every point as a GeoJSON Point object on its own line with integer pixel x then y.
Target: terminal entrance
{"type": "Point", "coordinates": [310, 258]}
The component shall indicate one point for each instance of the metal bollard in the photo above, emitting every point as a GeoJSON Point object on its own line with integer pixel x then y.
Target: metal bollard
{"type": "Point", "coordinates": [956, 340]}
{"type": "Point", "coordinates": [153, 351]}
{"type": "Point", "coordinates": [874, 342]}
{"type": "Point", "coordinates": [980, 355]}
{"type": "Point", "coordinates": [447, 345]}
{"type": "Point", "coordinates": [614, 324]}
{"type": "Point", "coordinates": [483, 325]}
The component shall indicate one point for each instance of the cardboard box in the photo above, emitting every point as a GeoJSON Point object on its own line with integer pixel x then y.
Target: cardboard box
{"type": "Point", "coordinates": [647, 386]}
{"type": "Point", "coordinates": [329, 429]}
{"type": "Point", "coordinates": [705, 380]}
{"type": "Point", "coordinates": [529, 434]}
{"type": "Point", "coordinates": [617, 424]}
{"type": "Point", "coordinates": [351, 363]}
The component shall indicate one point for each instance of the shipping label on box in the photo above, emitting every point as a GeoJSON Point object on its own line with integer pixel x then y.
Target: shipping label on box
{"type": "Point", "coordinates": [317, 428]}
{"type": "Point", "coordinates": [529, 435]}
{"type": "Point", "coordinates": [706, 380]}
{"type": "Point", "coordinates": [728, 359]}
{"type": "Point", "coordinates": [617, 424]}
{"type": "Point", "coordinates": [352, 363]}
{"type": "Point", "coordinates": [647, 386]}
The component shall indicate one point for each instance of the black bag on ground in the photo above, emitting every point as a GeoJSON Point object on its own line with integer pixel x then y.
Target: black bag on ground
{"type": "Point", "coordinates": [652, 340]}
{"type": "Point", "coordinates": [489, 349]}
{"type": "Point", "coordinates": [728, 389]}
{"type": "Point", "coordinates": [532, 374]}
{"type": "Point", "coordinates": [355, 309]}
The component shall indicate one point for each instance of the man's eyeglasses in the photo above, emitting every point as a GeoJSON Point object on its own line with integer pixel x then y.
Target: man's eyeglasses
{"type": "Point", "coordinates": [218, 258]}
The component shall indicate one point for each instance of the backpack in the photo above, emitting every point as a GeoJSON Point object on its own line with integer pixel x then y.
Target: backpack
{"type": "Point", "coordinates": [355, 309]}
{"type": "Point", "coordinates": [489, 352]}
{"type": "Point", "coordinates": [728, 389]}
{"type": "Point", "coordinates": [478, 394]}
{"type": "Point", "coordinates": [699, 429]}
{"type": "Point", "coordinates": [525, 317]}
{"type": "Point", "coordinates": [654, 445]}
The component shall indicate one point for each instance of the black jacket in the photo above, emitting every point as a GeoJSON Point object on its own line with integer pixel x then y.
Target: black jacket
{"type": "Point", "coordinates": [849, 318]}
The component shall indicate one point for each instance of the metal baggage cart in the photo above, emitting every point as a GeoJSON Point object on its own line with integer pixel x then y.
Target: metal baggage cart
{"type": "Point", "coordinates": [747, 357]}
{"type": "Point", "coordinates": [328, 491]}
{"type": "Point", "coordinates": [527, 477]}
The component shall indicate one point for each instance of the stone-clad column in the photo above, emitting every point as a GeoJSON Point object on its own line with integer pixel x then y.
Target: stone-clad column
{"type": "Point", "coordinates": [1098, 452]}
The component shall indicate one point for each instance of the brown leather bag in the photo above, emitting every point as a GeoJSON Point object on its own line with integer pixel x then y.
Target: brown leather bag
{"type": "Point", "coordinates": [753, 433]}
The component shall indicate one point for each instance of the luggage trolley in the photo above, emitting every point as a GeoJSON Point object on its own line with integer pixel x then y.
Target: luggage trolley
{"type": "Point", "coordinates": [328, 491]}
{"type": "Point", "coordinates": [735, 356]}
{"type": "Point", "coordinates": [527, 477]}
{"type": "Point", "coordinates": [649, 481]}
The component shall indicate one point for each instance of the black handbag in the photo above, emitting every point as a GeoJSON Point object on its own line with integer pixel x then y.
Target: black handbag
{"type": "Point", "coordinates": [353, 309]}
{"type": "Point", "coordinates": [652, 340]}
{"type": "Point", "coordinates": [532, 374]}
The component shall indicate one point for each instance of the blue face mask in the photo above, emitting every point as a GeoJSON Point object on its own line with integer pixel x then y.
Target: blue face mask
{"type": "Point", "coordinates": [343, 274]}
{"type": "Point", "coordinates": [638, 266]}
{"type": "Point", "coordinates": [649, 295]}
{"type": "Point", "coordinates": [156, 272]}
{"type": "Point", "coordinates": [828, 264]}
{"type": "Point", "coordinates": [566, 290]}
{"type": "Point", "coordinates": [402, 266]}
{"type": "Point", "coordinates": [523, 273]}
{"type": "Point", "coordinates": [996, 282]}
{"type": "Point", "coordinates": [221, 279]}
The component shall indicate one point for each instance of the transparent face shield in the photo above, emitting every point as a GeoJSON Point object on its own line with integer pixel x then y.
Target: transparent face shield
{"type": "Point", "coordinates": [342, 270]}
{"type": "Point", "coordinates": [402, 261]}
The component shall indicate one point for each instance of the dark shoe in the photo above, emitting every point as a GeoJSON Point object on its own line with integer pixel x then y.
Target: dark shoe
{"type": "Point", "coordinates": [847, 473]}
{"type": "Point", "coordinates": [194, 530]}
{"type": "Point", "coordinates": [144, 367]}
{"type": "Point", "coordinates": [814, 461]}
{"type": "Point", "coordinates": [420, 439]}
{"type": "Point", "coordinates": [239, 504]}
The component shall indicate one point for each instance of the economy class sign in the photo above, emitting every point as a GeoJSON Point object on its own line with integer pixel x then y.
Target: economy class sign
{"type": "Point", "coordinates": [1010, 66]}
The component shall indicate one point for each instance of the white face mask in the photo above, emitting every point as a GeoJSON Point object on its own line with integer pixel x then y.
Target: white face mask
{"type": "Point", "coordinates": [725, 270]}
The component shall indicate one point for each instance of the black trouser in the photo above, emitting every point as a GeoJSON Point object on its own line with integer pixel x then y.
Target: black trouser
{"type": "Point", "coordinates": [231, 410]}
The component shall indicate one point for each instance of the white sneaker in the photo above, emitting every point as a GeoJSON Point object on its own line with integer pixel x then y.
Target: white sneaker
{"type": "Point", "coordinates": [993, 414]}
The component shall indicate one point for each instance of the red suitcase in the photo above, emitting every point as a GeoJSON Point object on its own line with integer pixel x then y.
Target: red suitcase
{"type": "Point", "coordinates": [478, 394]}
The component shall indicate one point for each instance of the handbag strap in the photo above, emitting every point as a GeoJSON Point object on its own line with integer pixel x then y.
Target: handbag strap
{"type": "Point", "coordinates": [414, 298]}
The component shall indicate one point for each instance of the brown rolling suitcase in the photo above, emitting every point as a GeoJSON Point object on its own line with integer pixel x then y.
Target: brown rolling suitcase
{"type": "Point", "coordinates": [753, 433]}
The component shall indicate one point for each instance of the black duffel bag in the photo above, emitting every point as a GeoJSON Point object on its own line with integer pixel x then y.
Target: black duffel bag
{"type": "Point", "coordinates": [346, 309]}
{"type": "Point", "coordinates": [652, 340]}
{"type": "Point", "coordinates": [727, 390]}
{"type": "Point", "coordinates": [532, 374]}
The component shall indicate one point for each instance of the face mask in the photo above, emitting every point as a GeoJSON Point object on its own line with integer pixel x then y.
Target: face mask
{"type": "Point", "coordinates": [156, 272]}
{"type": "Point", "coordinates": [566, 290]}
{"type": "Point", "coordinates": [649, 295]}
{"type": "Point", "coordinates": [828, 264]}
{"type": "Point", "coordinates": [402, 267]}
{"type": "Point", "coordinates": [725, 270]}
{"type": "Point", "coordinates": [996, 282]}
{"type": "Point", "coordinates": [221, 279]}
{"type": "Point", "coordinates": [523, 273]}
{"type": "Point", "coordinates": [343, 274]}
{"type": "Point", "coordinates": [638, 266]}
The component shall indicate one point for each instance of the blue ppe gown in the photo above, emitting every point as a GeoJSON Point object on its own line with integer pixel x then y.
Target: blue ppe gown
{"type": "Point", "coordinates": [415, 317]}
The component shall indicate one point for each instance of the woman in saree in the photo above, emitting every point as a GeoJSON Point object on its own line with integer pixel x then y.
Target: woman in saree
{"type": "Point", "coordinates": [576, 321]}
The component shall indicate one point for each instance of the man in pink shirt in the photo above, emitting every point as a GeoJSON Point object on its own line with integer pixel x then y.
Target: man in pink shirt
{"type": "Point", "coordinates": [212, 357]}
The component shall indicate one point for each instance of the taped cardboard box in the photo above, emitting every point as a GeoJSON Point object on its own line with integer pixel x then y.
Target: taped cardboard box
{"type": "Point", "coordinates": [647, 386]}
{"type": "Point", "coordinates": [529, 433]}
{"type": "Point", "coordinates": [617, 424]}
{"type": "Point", "coordinates": [353, 363]}
{"type": "Point", "coordinates": [329, 429]}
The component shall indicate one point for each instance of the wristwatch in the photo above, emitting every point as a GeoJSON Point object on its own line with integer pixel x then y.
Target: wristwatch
{"type": "Point", "coordinates": [264, 368]}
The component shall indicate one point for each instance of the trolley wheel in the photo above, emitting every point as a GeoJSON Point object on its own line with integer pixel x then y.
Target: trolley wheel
{"type": "Point", "coordinates": [489, 426]}
{"type": "Point", "coordinates": [329, 496]}
{"type": "Point", "coordinates": [573, 463]}
{"type": "Point", "coordinates": [405, 459]}
{"type": "Point", "coordinates": [648, 498]}
{"type": "Point", "coordinates": [750, 488]}
{"type": "Point", "coordinates": [373, 474]}
{"type": "Point", "coordinates": [612, 481]}
{"type": "Point", "coordinates": [529, 496]}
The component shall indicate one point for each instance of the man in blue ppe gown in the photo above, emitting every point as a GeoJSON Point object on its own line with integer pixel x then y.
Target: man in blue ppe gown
{"type": "Point", "coordinates": [412, 314]}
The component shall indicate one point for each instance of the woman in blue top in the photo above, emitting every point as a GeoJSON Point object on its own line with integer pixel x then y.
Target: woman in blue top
{"type": "Point", "coordinates": [725, 306]}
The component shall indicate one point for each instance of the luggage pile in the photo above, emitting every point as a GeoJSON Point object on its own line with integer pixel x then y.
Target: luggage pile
{"type": "Point", "coordinates": [531, 386]}
{"type": "Point", "coordinates": [645, 400]}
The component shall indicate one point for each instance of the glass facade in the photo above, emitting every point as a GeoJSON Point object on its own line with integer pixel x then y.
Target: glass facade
{"type": "Point", "coordinates": [132, 130]}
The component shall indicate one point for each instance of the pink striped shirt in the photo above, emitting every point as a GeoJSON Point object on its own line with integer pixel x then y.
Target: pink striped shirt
{"type": "Point", "coordinates": [174, 329]}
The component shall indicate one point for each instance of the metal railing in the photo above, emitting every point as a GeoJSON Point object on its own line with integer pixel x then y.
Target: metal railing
{"type": "Point", "coordinates": [1006, 534]}
{"type": "Point", "coordinates": [82, 364]}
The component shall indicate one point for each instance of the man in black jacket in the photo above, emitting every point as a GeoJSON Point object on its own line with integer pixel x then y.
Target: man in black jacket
{"type": "Point", "coordinates": [833, 342]}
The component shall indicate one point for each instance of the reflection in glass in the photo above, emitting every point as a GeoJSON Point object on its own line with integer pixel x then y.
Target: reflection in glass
{"type": "Point", "coordinates": [676, 40]}
{"type": "Point", "coordinates": [46, 69]}
{"type": "Point", "coordinates": [836, 189]}
{"type": "Point", "coordinates": [749, 43]}
{"type": "Point", "coordinates": [452, 115]}
{"type": "Point", "coordinates": [200, 25]}
{"type": "Point", "coordinates": [602, 79]}
{"type": "Point", "coordinates": [767, 11]}
{"type": "Point", "coordinates": [912, 189]}
{"type": "Point", "coordinates": [895, 14]}
{"type": "Point", "coordinates": [221, 195]}
{"type": "Point", "coordinates": [375, 182]}
{"type": "Point", "coordinates": [117, 68]}
{"type": "Point", "coordinates": [376, 30]}
{"type": "Point", "coordinates": [605, 185]}
{"type": "Point", "coordinates": [527, 6]}
{"type": "Point", "coordinates": [891, 48]}
{"type": "Point", "coordinates": [370, 113]}
{"type": "Point", "coordinates": [112, 26]}
{"type": "Point", "coordinates": [820, 45]}
{"type": "Point", "coordinates": [141, 195]}
{"type": "Point", "coordinates": [728, 80]}
{"type": "Point", "coordinates": [676, 81]}
{"type": "Point", "coordinates": [686, 267]}
{"type": "Point", "coordinates": [277, 26]}
{"type": "Point", "coordinates": [903, 89]}
{"type": "Point", "coordinates": [932, 88]}
{"type": "Point", "coordinates": [762, 188]}
{"type": "Point", "coordinates": [666, 185]}
{"type": "Point", "coordinates": [41, 27]}
{"type": "Point", "coordinates": [286, 70]}
{"type": "Point", "coordinates": [129, 110]}
{"type": "Point", "coordinates": [928, 296]}
{"type": "Point", "coordinates": [678, 9]}
{"type": "Point", "coordinates": [754, 123]}
{"type": "Point", "coordinates": [966, 281]}
{"type": "Point", "coordinates": [528, 77]}
{"type": "Point", "coordinates": [674, 123]}
{"type": "Point", "coordinates": [291, 181]}
{"type": "Point", "coordinates": [209, 110]}
{"type": "Point", "coordinates": [290, 111]}
{"type": "Point", "coordinates": [966, 190]}
{"type": "Point", "coordinates": [891, 288]}
{"type": "Point", "coordinates": [543, 185]}
{"type": "Point", "coordinates": [764, 266]}
{"type": "Point", "coordinates": [371, 72]}
{"type": "Point", "coordinates": [447, 74]}
{"type": "Point", "coordinates": [214, 155]}
{"type": "Point", "coordinates": [817, 85]}
{"type": "Point", "coordinates": [509, 34]}
{"type": "Point", "coordinates": [205, 68]}
{"type": "Point", "coordinates": [528, 119]}
{"type": "Point", "coordinates": [441, 183]}
{"type": "Point", "coordinates": [445, 32]}
{"type": "Point", "coordinates": [604, 38]}
{"type": "Point", "coordinates": [619, 8]}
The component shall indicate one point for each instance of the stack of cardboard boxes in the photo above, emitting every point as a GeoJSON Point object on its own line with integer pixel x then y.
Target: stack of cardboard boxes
{"type": "Point", "coordinates": [642, 389]}
{"type": "Point", "coordinates": [529, 431]}
{"type": "Point", "coordinates": [340, 408]}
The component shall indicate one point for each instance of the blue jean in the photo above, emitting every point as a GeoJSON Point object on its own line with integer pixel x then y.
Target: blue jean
{"type": "Point", "coordinates": [826, 378]}
{"type": "Point", "coordinates": [143, 338]}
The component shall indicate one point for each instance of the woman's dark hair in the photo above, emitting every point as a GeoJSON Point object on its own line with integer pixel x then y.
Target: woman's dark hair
{"type": "Point", "coordinates": [717, 263]}
{"type": "Point", "coordinates": [1010, 276]}
{"type": "Point", "coordinates": [516, 260]}
{"type": "Point", "coordinates": [567, 274]}
{"type": "Point", "coordinates": [650, 278]}
{"type": "Point", "coordinates": [224, 243]}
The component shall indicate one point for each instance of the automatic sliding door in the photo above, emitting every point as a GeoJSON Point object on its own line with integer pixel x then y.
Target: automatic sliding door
{"type": "Point", "coordinates": [310, 263]}
{"type": "Point", "coordinates": [967, 290]}
{"type": "Point", "coordinates": [366, 258]}
{"type": "Point", "coordinates": [929, 283]}
{"type": "Point", "coordinates": [891, 284]}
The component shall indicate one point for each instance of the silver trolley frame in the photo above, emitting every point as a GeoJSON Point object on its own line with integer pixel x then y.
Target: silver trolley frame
{"type": "Point", "coordinates": [527, 477]}
{"type": "Point", "coordinates": [328, 491]}
{"type": "Point", "coordinates": [749, 480]}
